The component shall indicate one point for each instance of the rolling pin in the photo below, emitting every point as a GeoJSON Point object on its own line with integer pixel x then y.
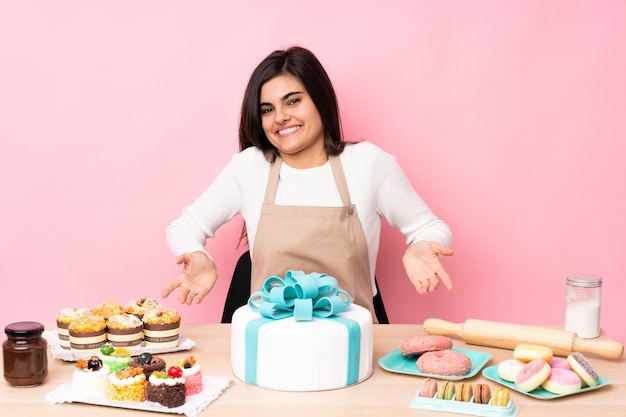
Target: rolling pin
{"type": "Point", "coordinates": [507, 336]}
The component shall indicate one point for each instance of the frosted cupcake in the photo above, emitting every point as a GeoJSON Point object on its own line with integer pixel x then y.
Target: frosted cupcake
{"type": "Point", "coordinates": [124, 330]}
{"type": "Point", "coordinates": [129, 384]}
{"type": "Point", "coordinates": [161, 328]}
{"type": "Point", "coordinates": [87, 335]}
{"type": "Point", "coordinates": [89, 380]}
{"type": "Point", "coordinates": [115, 358]}
{"type": "Point", "coordinates": [141, 306]}
{"type": "Point", "coordinates": [64, 318]}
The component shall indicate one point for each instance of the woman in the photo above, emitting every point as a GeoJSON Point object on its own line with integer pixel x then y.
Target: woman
{"type": "Point", "coordinates": [310, 200]}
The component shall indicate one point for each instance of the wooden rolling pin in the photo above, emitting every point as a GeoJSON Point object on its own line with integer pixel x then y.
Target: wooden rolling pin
{"type": "Point", "coordinates": [507, 336]}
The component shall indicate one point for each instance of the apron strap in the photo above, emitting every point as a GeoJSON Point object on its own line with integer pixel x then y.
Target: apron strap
{"type": "Point", "coordinates": [338, 174]}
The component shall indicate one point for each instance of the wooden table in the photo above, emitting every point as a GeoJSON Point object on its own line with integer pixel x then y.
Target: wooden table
{"type": "Point", "coordinates": [383, 394]}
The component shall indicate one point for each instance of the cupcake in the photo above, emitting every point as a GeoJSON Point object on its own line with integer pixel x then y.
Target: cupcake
{"type": "Point", "coordinates": [192, 374]}
{"type": "Point", "coordinates": [167, 387]}
{"type": "Point", "coordinates": [87, 334]}
{"type": "Point", "coordinates": [89, 380]}
{"type": "Point", "coordinates": [128, 384]}
{"type": "Point", "coordinates": [124, 330]}
{"type": "Point", "coordinates": [141, 306]}
{"type": "Point", "coordinates": [107, 309]}
{"type": "Point", "coordinates": [116, 358]}
{"type": "Point", "coordinates": [64, 318]}
{"type": "Point", "coordinates": [149, 363]}
{"type": "Point", "coordinates": [161, 328]}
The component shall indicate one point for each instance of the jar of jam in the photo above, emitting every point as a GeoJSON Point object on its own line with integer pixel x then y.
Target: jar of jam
{"type": "Point", "coordinates": [25, 354]}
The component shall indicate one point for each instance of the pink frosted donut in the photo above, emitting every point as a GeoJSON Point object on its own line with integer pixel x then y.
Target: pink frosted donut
{"type": "Point", "coordinates": [415, 346]}
{"type": "Point", "coordinates": [559, 363]}
{"type": "Point", "coordinates": [532, 375]}
{"type": "Point", "coordinates": [444, 362]}
{"type": "Point", "coordinates": [562, 381]}
{"type": "Point", "coordinates": [508, 369]}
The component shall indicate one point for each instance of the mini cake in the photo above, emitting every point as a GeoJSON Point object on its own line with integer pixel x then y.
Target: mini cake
{"type": "Point", "coordinates": [115, 358]}
{"type": "Point", "coordinates": [161, 328]}
{"type": "Point", "coordinates": [107, 309]}
{"type": "Point", "coordinates": [64, 318]}
{"type": "Point", "coordinates": [87, 334]}
{"type": "Point", "coordinates": [128, 384]}
{"type": "Point", "coordinates": [89, 381]}
{"type": "Point", "coordinates": [167, 388]}
{"type": "Point", "coordinates": [192, 374]}
{"type": "Point", "coordinates": [149, 363]}
{"type": "Point", "coordinates": [141, 306]}
{"type": "Point", "coordinates": [124, 330]}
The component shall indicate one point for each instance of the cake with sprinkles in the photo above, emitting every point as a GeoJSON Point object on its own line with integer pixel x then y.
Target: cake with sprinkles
{"type": "Point", "coordinates": [193, 375]}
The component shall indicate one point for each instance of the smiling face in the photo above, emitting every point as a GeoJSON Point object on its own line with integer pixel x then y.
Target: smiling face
{"type": "Point", "coordinates": [292, 123]}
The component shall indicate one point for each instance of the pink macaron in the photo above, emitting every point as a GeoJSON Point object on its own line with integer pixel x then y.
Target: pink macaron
{"type": "Point", "coordinates": [429, 389]}
{"type": "Point", "coordinates": [532, 375]}
{"type": "Point", "coordinates": [562, 381]}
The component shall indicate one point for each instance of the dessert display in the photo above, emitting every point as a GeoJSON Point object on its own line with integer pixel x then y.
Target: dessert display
{"type": "Point", "coordinates": [193, 375]}
{"type": "Point", "coordinates": [149, 363]}
{"type": "Point", "coordinates": [128, 384]}
{"type": "Point", "coordinates": [161, 328]}
{"type": "Point", "coordinates": [464, 398]}
{"type": "Point", "coordinates": [167, 387]}
{"type": "Point", "coordinates": [89, 380]}
{"type": "Point", "coordinates": [304, 343]}
{"type": "Point", "coordinates": [444, 362]}
{"type": "Point", "coordinates": [115, 358]}
{"type": "Point", "coordinates": [87, 334]}
{"type": "Point", "coordinates": [124, 330]}
{"type": "Point", "coordinates": [63, 320]}
{"type": "Point", "coordinates": [142, 306]}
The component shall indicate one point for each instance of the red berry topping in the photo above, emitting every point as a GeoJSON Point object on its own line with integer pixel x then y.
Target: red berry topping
{"type": "Point", "coordinates": [175, 371]}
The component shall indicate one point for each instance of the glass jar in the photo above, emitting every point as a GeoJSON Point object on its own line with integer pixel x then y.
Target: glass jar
{"type": "Point", "coordinates": [582, 305]}
{"type": "Point", "coordinates": [25, 354]}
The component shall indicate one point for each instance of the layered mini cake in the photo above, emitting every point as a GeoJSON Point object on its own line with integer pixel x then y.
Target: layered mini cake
{"type": "Point", "coordinates": [167, 387]}
{"type": "Point", "coordinates": [149, 363]}
{"type": "Point", "coordinates": [87, 335]}
{"type": "Point", "coordinates": [124, 330]}
{"type": "Point", "coordinates": [141, 306]}
{"type": "Point", "coordinates": [107, 309]}
{"type": "Point", "coordinates": [161, 328]}
{"type": "Point", "coordinates": [115, 358]}
{"type": "Point", "coordinates": [192, 374]}
{"type": "Point", "coordinates": [128, 384]}
{"type": "Point", "coordinates": [89, 380]}
{"type": "Point", "coordinates": [64, 318]}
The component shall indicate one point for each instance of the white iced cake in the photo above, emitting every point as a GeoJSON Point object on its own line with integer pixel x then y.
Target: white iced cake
{"type": "Point", "coordinates": [284, 354]}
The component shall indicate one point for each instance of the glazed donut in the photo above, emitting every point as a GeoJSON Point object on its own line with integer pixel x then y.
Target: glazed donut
{"type": "Point", "coordinates": [415, 346]}
{"type": "Point", "coordinates": [444, 362]}
{"type": "Point", "coordinates": [562, 381]}
{"type": "Point", "coordinates": [527, 353]}
{"type": "Point", "coordinates": [532, 375]}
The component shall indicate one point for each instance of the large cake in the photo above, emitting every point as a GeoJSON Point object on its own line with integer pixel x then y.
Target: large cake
{"type": "Point", "coordinates": [301, 334]}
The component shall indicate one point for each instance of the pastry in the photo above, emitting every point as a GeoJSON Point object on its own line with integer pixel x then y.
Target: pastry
{"type": "Point", "coordinates": [141, 306]}
{"type": "Point", "coordinates": [161, 328]}
{"type": "Point", "coordinates": [115, 358]}
{"type": "Point", "coordinates": [86, 335]}
{"type": "Point", "coordinates": [464, 391]}
{"type": "Point", "coordinates": [559, 363]}
{"type": "Point", "coordinates": [501, 397]}
{"type": "Point", "coordinates": [193, 375]}
{"type": "Point", "coordinates": [124, 330]}
{"type": "Point", "coordinates": [107, 309]}
{"type": "Point", "coordinates": [562, 381]}
{"type": "Point", "coordinates": [167, 387]}
{"type": "Point", "coordinates": [89, 380]}
{"type": "Point", "coordinates": [429, 388]}
{"type": "Point", "coordinates": [446, 390]}
{"type": "Point", "coordinates": [415, 346]}
{"type": "Point", "coordinates": [148, 362]}
{"type": "Point", "coordinates": [583, 368]}
{"type": "Point", "coordinates": [64, 318]}
{"type": "Point", "coordinates": [509, 368]}
{"type": "Point", "coordinates": [527, 353]}
{"type": "Point", "coordinates": [444, 362]}
{"type": "Point", "coordinates": [128, 384]}
{"type": "Point", "coordinates": [482, 394]}
{"type": "Point", "coordinates": [532, 375]}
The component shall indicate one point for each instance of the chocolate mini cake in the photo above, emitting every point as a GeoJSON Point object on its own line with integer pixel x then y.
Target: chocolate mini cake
{"type": "Point", "coordinates": [148, 363]}
{"type": "Point", "coordinates": [167, 388]}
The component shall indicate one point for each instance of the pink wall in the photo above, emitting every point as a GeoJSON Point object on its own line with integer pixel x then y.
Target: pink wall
{"type": "Point", "coordinates": [507, 116]}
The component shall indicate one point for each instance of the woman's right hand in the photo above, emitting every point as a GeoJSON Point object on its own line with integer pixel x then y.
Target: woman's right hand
{"type": "Point", "coordinates": [196, 280]}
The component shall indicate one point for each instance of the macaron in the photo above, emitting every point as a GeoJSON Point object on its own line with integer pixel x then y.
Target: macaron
{"type": "Point", "coordinates": [464, 391]}
{"type": "Point", "coordinates": [562, 381]}
{"type": "Point", "coordinates": [482, 394]}
{"type": "Point", "coordinates": [583, 368]}
{"type": "Point", "coordinates": [532, 375]}
{"type": "Point", "coordinates": [446, 391]}
{"type": "Point", "coordinates": [501, 397]}
{"type": "Point", "coordinates": [527, 353]}
{"type": "Point", "coordinates": [429, 388]}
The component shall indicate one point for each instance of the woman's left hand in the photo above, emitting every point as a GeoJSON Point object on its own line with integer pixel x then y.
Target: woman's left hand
{"type": "Point", "coordinates": [423, 266]}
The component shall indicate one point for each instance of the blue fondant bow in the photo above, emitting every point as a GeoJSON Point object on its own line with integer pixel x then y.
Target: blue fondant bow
{"type": "Point", "coordinates": [300, 295]}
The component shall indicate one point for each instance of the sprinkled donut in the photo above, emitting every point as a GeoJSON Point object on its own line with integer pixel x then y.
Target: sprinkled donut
{"type": "Point", "coordinates": [444, 362]}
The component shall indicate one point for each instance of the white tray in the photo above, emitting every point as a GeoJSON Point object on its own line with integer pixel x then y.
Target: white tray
{"type": "Point", "coordinates": [58, 352]}
{"type": "Point", "coordinates": [194, 404]}
{"type": "Point", "coordinates": [463, 407]}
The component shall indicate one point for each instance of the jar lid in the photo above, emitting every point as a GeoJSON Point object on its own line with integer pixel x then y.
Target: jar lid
{"type": "Point", "coordinates": [24, 328]}
{"type": "Point", "coordinates": [584, 280]}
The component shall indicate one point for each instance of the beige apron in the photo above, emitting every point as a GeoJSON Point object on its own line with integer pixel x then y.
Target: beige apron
{"type": "Point", "coordinates": [327, 240]}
